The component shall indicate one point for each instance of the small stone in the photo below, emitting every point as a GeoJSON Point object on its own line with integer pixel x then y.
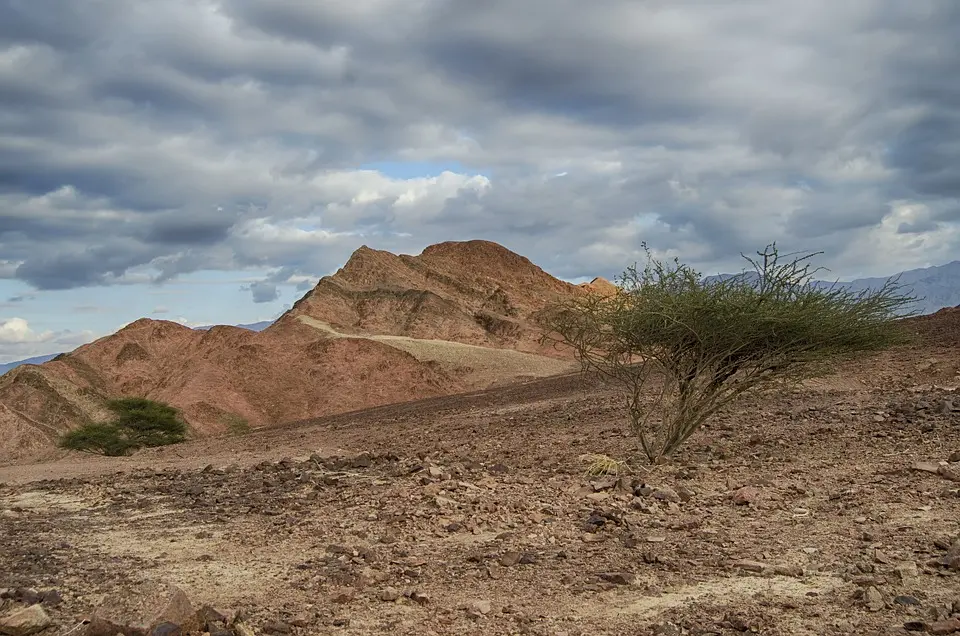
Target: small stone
{"type": "Point", "coordinates": [947, 626]}
{"type": "Point", "coordinates": [435, 471]}
{"type": "Point", "coordinates": [873, 599]}
{"type": "Point", "coordinates": [242, 629]}
{"type": "Point", "coordinates": [481, 607]}
{"type": "Point", "coordinates": [954, 457]}
{"type": "Point", "coordinates": [915, 626]}
{"type": "Point", "coordinates": [604, 483]}
{"type": "Point", "coordinates": [948, 473]}
{"type": "Point", "coordinates": [528, 559]}
{"type": "Point", "coordinates": [788, 570]}
{"type": "Point", "coordinates": [685, 493]}
{"type": "Point", "coordinates": [166, 629]}
{"type": "Point", "coordinates": [388, 595]}
{"type": "Point", "coordinates": [277, 627]}
{"type": "Point", "coordinates": [363, 460]}
{"type": "Point", "coordinates": [343, 596]}
{"type": "Point", "coordinates": [618, 578]}
{"type": "Point", "coordinates": [746, 495]}
{"type": "Point", "coordinates": [926, 467]}
{"type": "Point", "coordinates": [51, 598]}
{"type": "Point", "coordinates": [666, 494]}
{"type": "Point", "coordinates": [906, 600]}
{"type": "Point", "coordinates": [26, 621]}
{"type": "Point", "coordinates": [656, 539]}
{"type": "Point", "coordinates": [510, 559]}
{"type": "Point", "coordinates": [210, 618]}
{"type": "Point", "coordinates": [751, 566]}
{"type": "Point", "coordinates": [418, 598]}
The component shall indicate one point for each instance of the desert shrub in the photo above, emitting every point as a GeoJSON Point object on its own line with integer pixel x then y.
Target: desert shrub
{"type": "Point", "coordinates": [236, 424]}
{"type": "Point", "coordinates": [137, 422]}
{"type": "Point", "coordinates": [682, 347]}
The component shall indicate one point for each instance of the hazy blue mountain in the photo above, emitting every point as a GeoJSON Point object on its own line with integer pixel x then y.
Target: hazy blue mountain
{"type": "Point", "coordinates": [7, 366]}
{"type": "Point", "coordinates": [934, 287]}
{"type": "Point", "coordinates": [252, 326]}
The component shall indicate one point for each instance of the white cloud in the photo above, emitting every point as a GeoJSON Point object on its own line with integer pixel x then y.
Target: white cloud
{"type": "Point", "coordinates": [17, 331]}
{"type": "Point", "coordinates": [18, 340]}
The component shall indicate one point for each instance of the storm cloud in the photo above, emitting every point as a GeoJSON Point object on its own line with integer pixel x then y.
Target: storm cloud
{"type": "Point", "coordinates": [140, 141]}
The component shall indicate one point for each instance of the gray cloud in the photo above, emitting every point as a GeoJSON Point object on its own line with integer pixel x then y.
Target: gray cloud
{"type": "Point", "coordinates": [264, 292]}
{"type": "Point", "coordinates": [141, 142]}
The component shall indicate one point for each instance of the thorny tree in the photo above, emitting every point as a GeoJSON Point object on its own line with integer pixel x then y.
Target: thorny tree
{"type": "Point", "coordinates": [682, 347]}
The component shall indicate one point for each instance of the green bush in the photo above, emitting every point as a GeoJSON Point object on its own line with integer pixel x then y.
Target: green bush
{"type": "Point", "coordinates": [236, 424]}
{"type": "Point", "coordinates": [137, 422]}
{"type": "Point", "coordinates": [682, 347]}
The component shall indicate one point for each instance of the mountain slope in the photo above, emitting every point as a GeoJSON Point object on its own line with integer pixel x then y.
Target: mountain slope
{"type": "Point", "coordinates": [473, 292]}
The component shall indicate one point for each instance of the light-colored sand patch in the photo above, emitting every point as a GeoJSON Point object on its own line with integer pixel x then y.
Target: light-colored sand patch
{"type": "Point", "coordinates": [486, 365]}
{"type": "Point", "coordinates": [716, 591]}
{"type": "Point", "coordinates": [48, 501]}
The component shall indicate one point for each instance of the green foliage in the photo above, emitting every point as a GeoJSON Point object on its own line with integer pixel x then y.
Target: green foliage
{"type": "Point", "coordinates": [137, 422]}
{"type": "Point", "coordinates": [237, 424]}
{"type": "Point", "coordinates": [682, 347]}
{"type": "Point", "coordinates": [99, 439]}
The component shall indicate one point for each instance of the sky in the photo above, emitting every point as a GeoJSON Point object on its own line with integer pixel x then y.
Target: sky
{"type": "Point", "coordinates": [207, 162]}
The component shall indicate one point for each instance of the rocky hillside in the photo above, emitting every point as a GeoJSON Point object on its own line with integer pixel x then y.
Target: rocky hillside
{"type": "Point", "coordinates": [383, 329]}
{"type": "Point", "coordinates": [474, 292]}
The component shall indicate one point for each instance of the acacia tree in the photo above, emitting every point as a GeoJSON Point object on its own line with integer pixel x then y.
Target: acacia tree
{"type": "Point", "coordinates": [137, 422]}
{"type": "Point", "coordinates": [682, 347]}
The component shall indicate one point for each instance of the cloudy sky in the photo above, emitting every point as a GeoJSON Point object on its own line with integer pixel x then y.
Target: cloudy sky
{"type": "Point", "coordinates": [207, 161]}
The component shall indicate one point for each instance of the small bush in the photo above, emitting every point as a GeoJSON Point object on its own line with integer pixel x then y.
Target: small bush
{"type": "Point", "coordinates": [137, 422]}
{"type": "Point", "coordinates": [237, 424]}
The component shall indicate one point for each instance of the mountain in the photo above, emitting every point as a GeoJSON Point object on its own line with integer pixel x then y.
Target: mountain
{"type": "Point", "coordinates": [252, 326]}
{"type": "Point", "coordinates": [473, 292]}
{"type": "Point", "coordinates": [934, 288]}
{"type": "Point", "coordinates": [7, 366]}
{"type": "Point", "coordinates": [383, 329]}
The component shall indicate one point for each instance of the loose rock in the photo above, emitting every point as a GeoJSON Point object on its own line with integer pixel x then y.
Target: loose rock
{"type": "Point", "coordinates": [666, 494]}
{"type": "Point", "coordinates": [618, 578]}
{"type": "Point", "coordinates": [26, 621]}
{"type": "Point", "coordinates": [948, 626]}
{"type": "Point", "coordinates": [873, 599]}
{"type": "Point", "coordinates": [746, 495]}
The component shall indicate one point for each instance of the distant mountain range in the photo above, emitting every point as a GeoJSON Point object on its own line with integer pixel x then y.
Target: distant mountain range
{"type": "Point", "coordinates": [933, 287]}
{"type": "Point", "coordinates": [7, 366]}
{"type": "Point", "coordinates": [37, 360]}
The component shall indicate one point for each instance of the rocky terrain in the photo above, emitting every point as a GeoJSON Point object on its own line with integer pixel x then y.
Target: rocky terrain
{"type": "Point", "coordinates": [383, 329]}
{"type": "Point", "coordinates": [831, 509]}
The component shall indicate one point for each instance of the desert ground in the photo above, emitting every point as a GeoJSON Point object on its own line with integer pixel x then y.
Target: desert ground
{"type": "Point", "coordinates": [832, 508]}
